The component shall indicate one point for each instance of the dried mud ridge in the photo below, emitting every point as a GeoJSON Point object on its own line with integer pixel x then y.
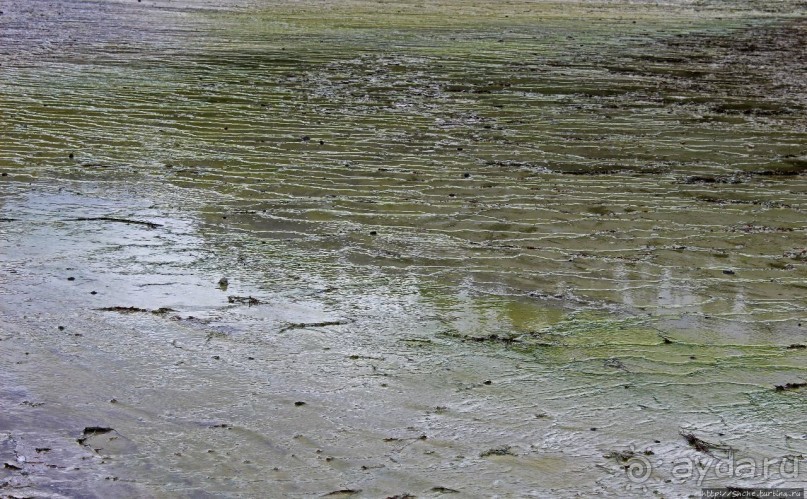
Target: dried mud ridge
{"type": "Point", "coordinates": [150, 225]}
{"type": "Point", "coordinates": [91, 431]}
{"type": "Point", "coordinates": [133, 310]}
{"type": "Point", "coordinates": [702, 445]}
{"type": "Point", "coordinates": [790, 386]}
{"type": "Point", "coordinates": [243, 300]}
{"type": "Point", "coordinates": [306, 325]}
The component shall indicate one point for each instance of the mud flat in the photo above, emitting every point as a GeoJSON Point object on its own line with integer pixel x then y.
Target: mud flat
{"type": "Point", "coordinates": [396, 249]}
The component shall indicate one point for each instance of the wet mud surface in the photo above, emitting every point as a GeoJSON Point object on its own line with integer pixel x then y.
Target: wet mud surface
{"type": "Point", "coordinates": [388, 249]}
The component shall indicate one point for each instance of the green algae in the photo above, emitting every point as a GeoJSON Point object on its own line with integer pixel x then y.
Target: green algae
{"type": "Point", "coordinates": [595, 207]}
